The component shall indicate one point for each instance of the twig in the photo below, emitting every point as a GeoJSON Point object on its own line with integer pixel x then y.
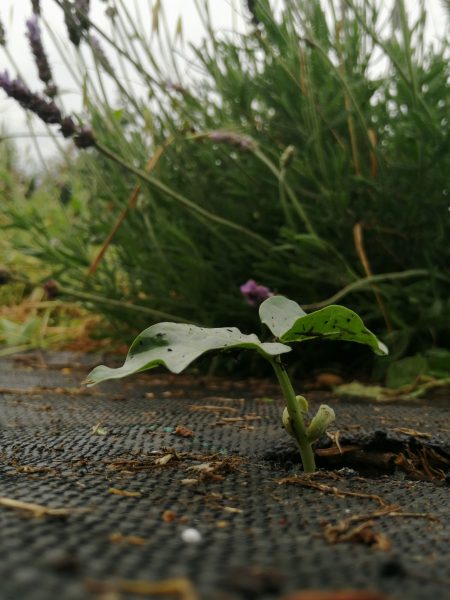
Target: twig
{"type": "Point", "coordinates": [359, 245]}
{"type": "Point", "coordinates": [359, 528]}
{"type": "Point", "coordinates": [328, 489]}
{"type": "Point", "coordinates": [131, 203]}
{"type": "Point", "coordinates": [38, 510]}
{"type": "Point", "coordinates": [179, 587]}
{"type": "Point", "coordinates": [365, 282]}
{"type": "Point", "coordinates": [212, 408]}
{"type": "Point", "coordinates": [363, 533]}
{"type": "Point", "coordinates": [391, 510]}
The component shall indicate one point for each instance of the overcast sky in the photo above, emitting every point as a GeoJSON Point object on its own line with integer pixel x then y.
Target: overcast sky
{"type": "Point", "coordinates": [226, 14]}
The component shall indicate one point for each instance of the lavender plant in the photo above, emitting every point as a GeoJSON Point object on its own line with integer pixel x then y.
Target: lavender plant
{"type": "Point", "coordinates": [285, 152]}
{"type": "Point", "coordinates": [40, 57]}
{"type": "Point", "coordinates": [36, 7]}
{"type": "Point", "coordinates": [177, 345]}
{"type": "Point", "coordinates": [2, 35]}
{"type": "Point", "coordinates": [46, 110]}
{"type": "Point", "coordinates": [76, 17]}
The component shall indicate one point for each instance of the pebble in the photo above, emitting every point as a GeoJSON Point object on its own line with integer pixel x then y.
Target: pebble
{"type": "Point", "coordinates": [191, 535]}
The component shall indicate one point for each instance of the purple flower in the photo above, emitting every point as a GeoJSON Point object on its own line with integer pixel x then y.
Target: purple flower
{"type": "Point", "coordinates": [72, 23]}
{"type": "Point", "coordinates": [51, 90]}
{"type": "Point", "coordinates": [76, 17]}
{"type": "Point", "coordinates": [99, 54]}
{"type": "Point", "coordinates": [82, 6]}
{"type": "Point", "coordinates": [45, 109]}
{"type": "Point", "coordinates": [34, 31]}
{"type": "Point", "coordinates": [34, 35]}
{"type": "Point", "coordinates": [67, 128]}
{"type": "Point", "coordinates": [82, 14]}
{"type": "Point", "coordinates": [172, 86]}
{"type": "Point", "coordinates": [84, 138]}
{"type": "Point", "coordinates": [243, 142]}
{"type": "Point", "coordinates": [5, 81]}
{"type": "Point", "coordinates": [51, 288]}
{"type": "Point", "coordinates": [254, 293]}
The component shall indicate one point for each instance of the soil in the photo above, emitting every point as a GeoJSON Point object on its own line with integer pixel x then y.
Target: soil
{"type": "Point", "coordinates": [187, 487]}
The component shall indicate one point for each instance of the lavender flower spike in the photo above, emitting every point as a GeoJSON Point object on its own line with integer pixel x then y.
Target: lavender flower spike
{"type": "Point", "coordinates": [72, 23]}
{"type": "Point", "coordinates": [84, 138]}
{"type": "Point", "coordinates": [36, 6]}
{"type": "Point", "coordinates": [251, 6]}
{"type": "Point", "coordinates": [34, 35]}
{"type": "Point", "coordinates": [2, 35]}
{"type": "Point", "coordinates": [76, 17]}
{"type": "Point", "coordinates": [100, 55]}
{"type": "Point", "coordinates": [34, 31]}
{"type": "Point", "coordinates": [5, 81]}
{"type": "Point", "coordinates": [82, 13]}
{"type": "Point", "coordinates": [68, 128]}
{"type": "Point", "coordinates": [254, 293]}
{"type": "Point", "coordinates": [45, 109]}
{"type": "Point", "coordinates": [243, 142]}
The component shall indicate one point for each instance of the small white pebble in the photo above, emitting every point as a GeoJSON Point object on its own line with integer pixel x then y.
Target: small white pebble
{"type": "Point", "coordinates": [191, 535]}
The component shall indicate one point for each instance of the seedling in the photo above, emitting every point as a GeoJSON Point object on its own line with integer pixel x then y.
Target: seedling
{"type": "Point", "coordinates": [177, 345]}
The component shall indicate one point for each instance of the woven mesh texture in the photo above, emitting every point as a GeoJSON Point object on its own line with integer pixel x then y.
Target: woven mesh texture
{"type": "Point", "coordinates": [259, 538]}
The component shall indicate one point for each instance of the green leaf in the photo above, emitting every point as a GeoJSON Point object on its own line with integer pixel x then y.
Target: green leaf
{"type": "Point", "coordinates": [335, 323]}
{"type": "Point", "coordinates": [279, 314]}
{"type": "Point", "coordinates": [323, 418]}
{"type": "Point", "coordinates": [19, 333]}
{"type": "Point", "coordinates": [177, 345]}
{"type": "Point", "coordinates": [361, 390]}
{"type": "Point", "coordinates": [438, 360]}
{"type": "Point", "coordinates": [406, 370]}
{"type": "Point", "coordinates": [435, 363]}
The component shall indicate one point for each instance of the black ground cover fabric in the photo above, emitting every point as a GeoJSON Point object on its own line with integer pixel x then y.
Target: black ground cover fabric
{"type": "Point", "coordinates": [137, 463]}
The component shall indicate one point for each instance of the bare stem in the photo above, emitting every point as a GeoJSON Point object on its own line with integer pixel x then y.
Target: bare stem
{"type": "Point", "coordinates": [298, 425]}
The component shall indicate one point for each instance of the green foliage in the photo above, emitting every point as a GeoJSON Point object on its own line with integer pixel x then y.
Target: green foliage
{"type": "Point", "coordinates": [14, 188]}
{"type": "Point", "coordinates": [434, 363]}
{"type": "Point", "coordinates": [333, 323]}
{"type": "Point", "coordinates": [279, 314]}
{"type": "Point", "coordinates": [14, 334]}
{"type": "Point", "coordinates": [29, 319]}
{"type": "Point", "coordinates": [177, 345]}
{"type": "Point", "coordinates": [320, 422]}
{"type": "Point", "coordinates": [328, 125]}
